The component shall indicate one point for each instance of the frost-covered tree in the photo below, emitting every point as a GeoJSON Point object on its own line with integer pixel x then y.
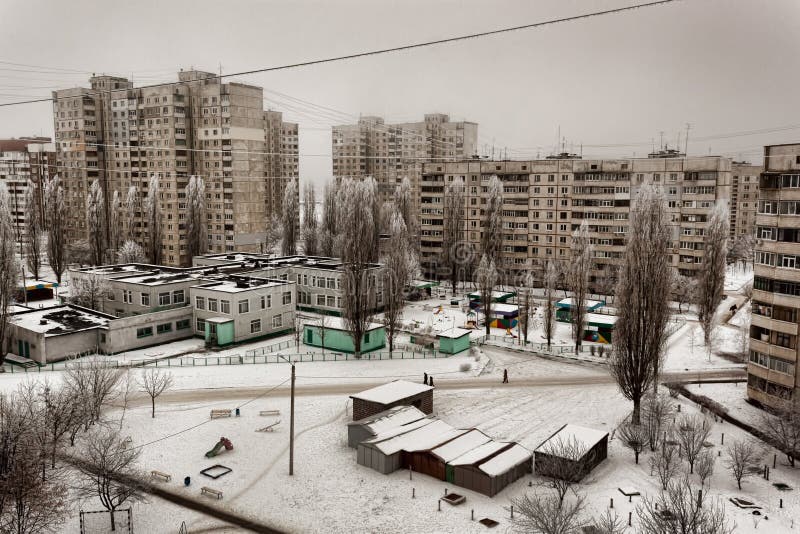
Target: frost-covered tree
{"type": "Point", "coordinates": [33, 226]}
{"type": "Point", "coordinates": [55, 219]}
{"type": "Point", "coordinates": [153, 216]}
{"type": "Point", "coordinates": [486, 278]}
{"type": "Point", "coordinates": [9, 267]}
{"type": "Point", "coordinates": [274, 235]}
{"type": "Point", "coordinates": [526, 305]}
{"type": "Point", "coordinates": [374, 205]}
{"type": "Point", "coordinates": [403, 201]}
{"type": "Point", "coordinates": [96, 222]}
{"type": "Point", "coordinates": [742, 460]}
{"type": "Point", "coordinates": [196, 222]}
{"type": "Point", "coordinates": [644, 283]}
{"type": "Point", "coordinates": [399, 268]}
{"type": "Point", "coordinates": [358, 286]}
{"type": "Point", "coordinates": [712, 277]}
{"type": "Point", "coordinates": [330, 226]}
{"type": "Point", "coordinates": [154, 382]}
{"type": "Point", "coordinates": [551, 274]}
{"type": "Point", "coordinates": [89, 290]}
{"type": "Point", "coordinates": [782, 428]}
{"type": "Point", "coordinates": [492, 236]}
{"type": "Point", "coordinates": [578, 279]}
{"type": "Point", "coordinates": [690, 511]}
{"type": "Point", "coordinates": [131, 208]}
{"type": "Point", "coordinates": [453, 247]}
{"type": "Point", "coordinates": [131, 252]}
{"type": "Point", "coordinates": [683, 289]}
{"type": "Point", "coordinates": [115, 232]}
{"type": "Point", "coordinates": [290, 219]}
{"type": "Point", "coordinates": [544, 513]}
{"type": "Point", "coordinates": [692, 432]}
{"type": "Point", "coordinates": [310, 228]}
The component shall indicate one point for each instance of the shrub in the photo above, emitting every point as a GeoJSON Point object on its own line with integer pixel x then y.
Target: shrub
{"type": "Point", "coordinates": [466, 366]}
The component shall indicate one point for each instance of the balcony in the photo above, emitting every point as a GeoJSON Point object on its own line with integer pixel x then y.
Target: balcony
{"type": "Point", "coordinates": [770, 375]}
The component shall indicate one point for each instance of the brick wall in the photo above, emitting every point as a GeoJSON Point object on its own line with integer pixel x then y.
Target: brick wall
{"type": "Point", "coordinates": [363, 408]}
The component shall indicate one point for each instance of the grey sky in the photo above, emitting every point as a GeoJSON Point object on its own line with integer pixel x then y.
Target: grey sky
{"type": "Point", "coordinates": [721, 65]}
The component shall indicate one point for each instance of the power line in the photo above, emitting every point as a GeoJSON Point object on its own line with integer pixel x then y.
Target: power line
{"type": "Point", "coordinates": [401, 48]}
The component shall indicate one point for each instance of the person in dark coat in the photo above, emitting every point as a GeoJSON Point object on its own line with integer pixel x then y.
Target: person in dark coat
{"type": "Point", "coordinates": [430, 381]}
{"type": "Point", "coordinates": [505, 376]}
{"type": "Point", "coordinates": [425, 379]}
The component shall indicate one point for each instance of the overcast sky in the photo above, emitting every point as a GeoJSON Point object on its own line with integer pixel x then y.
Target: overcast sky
{"type": "Point", "coordinates": [724, 66]}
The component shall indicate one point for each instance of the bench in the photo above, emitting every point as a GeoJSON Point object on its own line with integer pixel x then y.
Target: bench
{"type": "Point", "coordinates": [205, 490]}
{"type": "Point", "coordinates": [215, 414]}
{"type": "Point", "coordinates": [269, 412]}
{"type": "Point", "coordinates": [163, 476]}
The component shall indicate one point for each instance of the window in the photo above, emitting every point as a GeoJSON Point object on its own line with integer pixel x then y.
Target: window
{"type": "Point", "coordinates": [320, 300]}
{"type": "Point", "coordinates": [212, 305]}
{"type": "Point", "coordinates": [225, 306]}
{"type": "Point", "coordinates": [244, 306]}
{"type": "Point", "coordinates": [201, 325]}
{"type": "Point", "coordinates": [332, 301]}
{"type": "Point", "coordinates": [287, 297]}
{"type": "Point", "coordinates": [366, 337]}
{"type": "Point", "coordinates": [164, 328]}
{"type": "Point", "coordinates": [277, 321]}
{"type": "Point", "coordinates": [178, 296]}
{"type": "Point", "coordinates": [145, 299]}
{"type": "Point", "coordinates": [255, 326]}
{"type": "Point", "coordinates": [164, 299]}
{"type": "Point", "coordinates": [200, 303]}
{"type": "Point", "coordinates": [183, 324]}
{"type": "Point", "coordinates": [262, 302]}
{"type": "Point", "coordinates": [127, 296]}
{"type": "Point", "coordinates": [144, 332]}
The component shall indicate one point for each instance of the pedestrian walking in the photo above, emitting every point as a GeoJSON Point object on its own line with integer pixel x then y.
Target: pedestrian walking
{"type": "Point", "coordinates": [430, 381]}
{"type": "Point", "coordinates": [505, 376]}
{"type": "Point", "coordinates": [425, 379]}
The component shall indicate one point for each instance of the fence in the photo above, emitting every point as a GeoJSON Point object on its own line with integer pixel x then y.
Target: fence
{"type": "Point", "coordinates": [96, 522]}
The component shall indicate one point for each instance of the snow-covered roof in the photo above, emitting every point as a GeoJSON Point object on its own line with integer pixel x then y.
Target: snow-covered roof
{"type": "Point", "coordinates": [337, 323]}
{"type": "Point", "coordinates": [495, 294]}
{"type": "Point", "coordinates": [504, 308]}
{"type": "Point", "coordinates": [462, 444]}
{"type": "Point", "coordinates": [219, 320]}
{"type": "Point", "coordinates": [599, 318]}
{"type": "Point", "coordinates": [479, 453]}
{"type": "Point", "coordinates": [590, 304]}
{"type": "Point", "coordinates": [391, 418]}
{"type": "Point", "coordinates": [424, 284]}
{"type": "Point", "coordinates": [402, 429]}
{"type": "Point", "coordinates": [506, 460]}
{"type": "Point", "coordinates": [584, 439]}
{"type": "Point", "coordinates": [420, 439]}
{"type": "Point", "coordinates": [57, 320]}
{"type": "Point", "coordinates": [391, 392]}
{"type": "Point", "coordinates": [454, 333]}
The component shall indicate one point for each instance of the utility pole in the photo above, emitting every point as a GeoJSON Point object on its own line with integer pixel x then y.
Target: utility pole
{"type": "Point", "coordinates": [291, 430]}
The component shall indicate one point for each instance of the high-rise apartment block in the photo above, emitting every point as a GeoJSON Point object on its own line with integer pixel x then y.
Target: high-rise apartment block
{"type": "Point", "coordinates": [122, 135]}
{"type": "Point", "coordinates": [772, 369]}
{"type": "Point", "coordinates": [545, 201]}
{"type": "Point", "coordinates": [391, 152]}
{"type": "Point", "coordinates": [744, 198]}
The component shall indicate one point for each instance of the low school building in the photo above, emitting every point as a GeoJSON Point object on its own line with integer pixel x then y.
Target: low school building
{"type": "Point", "coordinates": [334, 335]}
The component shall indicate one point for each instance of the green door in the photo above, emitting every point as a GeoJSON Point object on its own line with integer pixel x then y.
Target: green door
{"type": "Point", "coordinates": [309, 336]}
{"type": "Point", "coordinates": [20, 350]}
{"type": "Point", "coordinates": [27, 350]}
{"type": "Point", "coordinates": [449, 473]}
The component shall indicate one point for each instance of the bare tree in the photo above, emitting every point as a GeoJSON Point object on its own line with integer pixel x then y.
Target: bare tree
{"type": "Point", "coordinates": [115, 232]}
{"type": "Point", "coordinates": [108, 467]}
{"type": "Point", "coordinates": [33, 229]}
{"type": "Point", "coordinates": [310, 227]}
{"type": "Point", "coordinates": [323, 326]}
{"type": "Point", "coordinates": [60, 411]}
{"type": "Point", "coordinates": [127, 385]}
{"type": "Point", "coordinates": [712, 277]}
{"type": "Point", "coordinates": [89, 290]}
{"type": "Point", "coordinates": [453, 248]}
{"type": "Point", "coordinates": [550, 282]}
{"type": "Point", "coordinates": [329, 220]}
{"type": "Point", "coordinates": [131, 208]}
{"type": "Point", "coordinates": [374, 205]}
{"type": "Point", "coordinates": [782, 428]}
{"type": "Point", "coordinates": [131, 252]}
{"type": "Point", "coordinates": [297, 331]}
{"type": "Point", "coordinates": [196, 222]}
{"type": "Point", "coordinates": [358, 285]}
{"type": "Point", "coordinates": [546, 514]}
{"type": "Point", "coordinates": [578, 280]}
{"type": "Point", "coordinates": [55, 220]}
{"type": "Point", "coordinates": [704, 466]}
{"type": "Point", "coordinates": [526, 305]}
{"type": "Point", "coordinates": [486, 278]}
{"type": "Point", "coordinates": [633, 436]}
{"type": "Point", "coordinates": [403, 202]}
{"type": "Point", "coordinates": [290, 219]}
{"type": "Point", "coordinates": [273, 236]}
{"type": "Point", "coordinates": [95, 381]}
{"type": "Point", "coordinates": [492, 235]}
{"type": "Point", "coordinates": [153, 217]}
{"type": "Point", "coordinates": [679, 509]}
{"type": "Point", "coordinates": [154, 382]}
{"type": "Point", "coordinates": [742, 460]}
{"type": "Point", "coordinates": [665, 463]}
{"type": "Point", "coordinates": [9, 267]}
{"type": "Point", "coordinates": [399, 267]}
{"type": "Point", "coordinates": [742, 249]}
{"type": "Point", "coordinates": [683, 289]}
{"type": "Point", "coordinates": [80, 252]}
{"type": "Point", "coordinates": [609, 523]}
{"type": "Point", "coordinates": [692, 432]}
{"type": "Point", "coordinates": [96, 221]}
{"type": "Point", "coordinates": [656, 411]}
{"type": "Point", "coordinates": [562, 462]}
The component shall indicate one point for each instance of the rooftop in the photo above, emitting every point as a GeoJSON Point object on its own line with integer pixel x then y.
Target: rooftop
{"type": "Point", "coordinates": [392, 418]}
{"type": "Point", "coordinates": [392, 392]}
{"type": "Point", "coordinates": [338, 323]}
{"type": "Point", "coordinates": [581, 437]}
{"type": "Point", "coordinates": [514, 455]}
{"type": "Point", "coordinates": [454, 333]}
{"type": "Point", "coordinates": [461, 445]}
{"type": "Point", "coordinates": [240, 284]}
{"type": "Point", "coordinates": [569, 303]}
{"type": "Point", "coordinates": [265, 261]}
{"type": "Point", "coordinates": [59, 320]}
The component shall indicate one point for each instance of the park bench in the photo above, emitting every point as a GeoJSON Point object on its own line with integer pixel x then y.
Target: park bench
{"type": "Point", "coordinates": [269, 412]}
{"type": "Point", "coordinates": [205, 490]}
{"type": "Point", "coordinates": [215, 414]}
{"type": "Point", "coordinates": [158, 474]}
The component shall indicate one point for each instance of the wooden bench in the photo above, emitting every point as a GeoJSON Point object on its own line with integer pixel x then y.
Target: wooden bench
{"type": "Point", "coordinates": [215, 414]}
{"type": "Point", "coordinates": [205, 490]}
{"type": "Point", "coordinates": [158, 474]}
{"type": "Point", "coordinates": [269, 412]}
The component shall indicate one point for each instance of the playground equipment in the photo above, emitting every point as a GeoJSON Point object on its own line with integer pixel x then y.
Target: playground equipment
{"type": "Point", "coordinates": [223, 442]}
{"type": "Point", "coordinates": [269, 428]}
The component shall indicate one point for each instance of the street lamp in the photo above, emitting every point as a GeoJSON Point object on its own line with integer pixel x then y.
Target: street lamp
{"type": "Point", "coordinates": [291, 420]}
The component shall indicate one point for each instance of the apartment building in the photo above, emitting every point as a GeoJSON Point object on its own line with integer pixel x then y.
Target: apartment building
{"type": "Point", "coordinates": [545, 201]}
{"type": "Point", "coordinates": [772, 369]}
{"type": "Point", "coordinates": [744, 197]}
{"type": "Point", "coordinates": [122, 135]}
{"type": "Point", "coordinates": [391, 152]}
{"type": "Point", "coordinates": [23, 159]}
